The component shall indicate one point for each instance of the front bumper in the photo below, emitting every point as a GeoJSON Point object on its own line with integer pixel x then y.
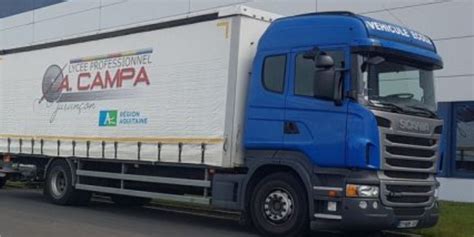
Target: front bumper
{"type": "Point", "coordinates": [383, 215]}
{"type": "Point", "coordinates": [352, 217]}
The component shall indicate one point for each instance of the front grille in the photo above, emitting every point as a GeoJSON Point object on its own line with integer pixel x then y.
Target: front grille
{"type": "Point", "coordinates": [420, 141]}
{"type": "Point", "coordinates": [408, 199]}
{"type": "Point", "coordinates": [407, 193]}
{"type": "Point", "coordinates": [408, 164]}
{"type": "Point", "coordinates": [403, 151]}
{"type": "Point", "coordinates": [409, 211]}
{"type": "Point", "coordinates": [413, 158]}
{"type": "Point", "coordinates": [406, 175]}
{"type": "Point", "coordinates": [408, 188]}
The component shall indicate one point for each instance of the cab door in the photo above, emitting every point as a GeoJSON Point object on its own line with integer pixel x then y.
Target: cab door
{"type": "Point", "coordinates": [314, 126]}
{"type": "Point", "coordinates": [266, 102]}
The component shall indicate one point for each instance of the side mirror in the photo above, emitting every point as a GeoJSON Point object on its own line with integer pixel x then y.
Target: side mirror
{"type": "Point", "coordinates": [324, 61]}
{"type": "Point", "coordinates": [327, 80]}
{"type": "Point", "coordinates": [321, 59]}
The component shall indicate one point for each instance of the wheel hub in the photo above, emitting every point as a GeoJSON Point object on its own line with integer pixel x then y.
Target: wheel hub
{"type": "Point", "coordinates": [58, 183]}
{"type": "Point", "coordinates": [278, 206]}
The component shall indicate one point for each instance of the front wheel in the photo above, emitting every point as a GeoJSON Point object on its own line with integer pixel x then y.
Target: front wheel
{"type": "Point", "coordinates": [279, 206]}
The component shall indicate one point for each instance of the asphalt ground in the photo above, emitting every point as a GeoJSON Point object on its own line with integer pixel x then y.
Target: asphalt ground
{"type": "Point", "coordinates": [25, 212]}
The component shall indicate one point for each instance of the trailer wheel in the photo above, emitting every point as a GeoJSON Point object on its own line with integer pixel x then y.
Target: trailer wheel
{"type": "Point", "coordinates": [122, 200]}
{"type": "Point", "coordinates": [3, 181]}
{"type": "Point", "coordinates": [279, 206]}
{"type": "Point", "coordinates": [59, 188]}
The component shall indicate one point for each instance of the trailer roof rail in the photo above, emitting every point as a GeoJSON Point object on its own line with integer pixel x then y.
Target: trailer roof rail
{"type": "Point", "coordinates": [339, 13]}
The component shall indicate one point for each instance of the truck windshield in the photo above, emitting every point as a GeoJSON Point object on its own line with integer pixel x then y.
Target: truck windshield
{"type": "Point", "coordinates": [394, 85]}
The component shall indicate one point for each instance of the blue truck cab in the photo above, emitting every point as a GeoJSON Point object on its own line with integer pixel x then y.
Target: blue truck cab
{"type": "Point", "coordinates": [342, 105]}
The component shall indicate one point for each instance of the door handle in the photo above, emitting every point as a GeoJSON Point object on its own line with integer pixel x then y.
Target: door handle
{"type": "Point", "coordinates": [290, 128]}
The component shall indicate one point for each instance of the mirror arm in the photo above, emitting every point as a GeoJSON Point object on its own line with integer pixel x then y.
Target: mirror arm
{"type": "Point", "coordinates": [341, 69]}
{"type": "Point", "coordinates": [338, 101]}
{"type": "Point", "coordinates": [340, 87]}
{"type": "Point", "coordinates": [312, 54]}
{"type": "Point", "coordinates": [352, 94]}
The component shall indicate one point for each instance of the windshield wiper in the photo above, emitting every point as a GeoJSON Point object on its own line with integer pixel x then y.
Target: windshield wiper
{"type": "Point", "coordinates": [397, 108]}
{"type": "Point", "coordinates": [431, 113]}
{"type": "Point", "coordinates": [392, 106]}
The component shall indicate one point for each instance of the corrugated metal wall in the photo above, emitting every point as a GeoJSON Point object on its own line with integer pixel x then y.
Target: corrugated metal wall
{"type": "Point", "coordinates": [14, 7]}
{"type": "Point", "coordinates": [449, 22]}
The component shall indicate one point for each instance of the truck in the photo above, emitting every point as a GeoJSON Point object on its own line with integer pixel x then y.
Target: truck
{"type": "Point", "coordinates": [322, 121]}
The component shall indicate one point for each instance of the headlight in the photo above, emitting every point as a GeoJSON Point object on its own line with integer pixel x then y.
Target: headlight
{"type": "Point", "coordinates": [354, 190]}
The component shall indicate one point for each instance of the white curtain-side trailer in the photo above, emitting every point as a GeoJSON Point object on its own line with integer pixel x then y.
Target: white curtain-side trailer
{"type": "Point", "coordinates": [170, 92]}
{"type": "Point", "coordinates": [132, 110]}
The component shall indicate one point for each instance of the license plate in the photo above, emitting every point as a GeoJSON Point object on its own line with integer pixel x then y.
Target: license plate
{"type": "Point", "coordinates": [407, 224]}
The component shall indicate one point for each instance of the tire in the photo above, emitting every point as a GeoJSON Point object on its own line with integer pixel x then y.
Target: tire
{"type": "Point", "coordinates": [129, 201]}
{"type": "Point", "coordinates": [3, 181]}
{"type": "Point", "coordinates": [59, 188]}
{"type": "Point", "coordinates": [269, 204]}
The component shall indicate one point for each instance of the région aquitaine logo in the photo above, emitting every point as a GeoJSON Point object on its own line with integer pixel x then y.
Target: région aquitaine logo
{"type": "Point", "coordinates": [108, 118]}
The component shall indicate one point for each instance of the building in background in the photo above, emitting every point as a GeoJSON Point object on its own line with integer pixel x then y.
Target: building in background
{"type": "Point", "coordinates": [449, 22]}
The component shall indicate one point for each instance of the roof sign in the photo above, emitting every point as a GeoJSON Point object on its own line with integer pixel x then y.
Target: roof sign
{"type": "Point", "coordinates": [389, 31]}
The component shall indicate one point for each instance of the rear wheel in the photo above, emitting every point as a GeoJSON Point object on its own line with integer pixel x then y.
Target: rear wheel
{"type": "Point", "coordinates": [122, 200]}
{"type": "Point", "coordinates": [279, 206]}
{"type": "Point", "coordinates": [59, 187]}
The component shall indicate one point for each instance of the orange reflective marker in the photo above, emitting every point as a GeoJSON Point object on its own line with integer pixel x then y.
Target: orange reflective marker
{"type": "Point", "coordinates": [332, 193]}
{"type": "Point", "coordinates": [351, 191]}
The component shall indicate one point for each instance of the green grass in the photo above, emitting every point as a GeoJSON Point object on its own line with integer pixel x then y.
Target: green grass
{"type": "Point", "coordinates": [22, 185]}
{"type": "Point", "coordinates": [456, 220]}
{"type": "Point", "coordinates": [15, 185]}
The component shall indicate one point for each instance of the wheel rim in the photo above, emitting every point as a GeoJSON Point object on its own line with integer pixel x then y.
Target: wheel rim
{"type": "Point", "coordinates": [58, 183]}
{"type": "Point", "coordinates": [278, 206]}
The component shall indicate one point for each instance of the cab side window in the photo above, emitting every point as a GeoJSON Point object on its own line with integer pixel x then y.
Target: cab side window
{"type": "Point", "coordinates": [304, 72]}
{"type": "Point", "coordinates": [274, 73]}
